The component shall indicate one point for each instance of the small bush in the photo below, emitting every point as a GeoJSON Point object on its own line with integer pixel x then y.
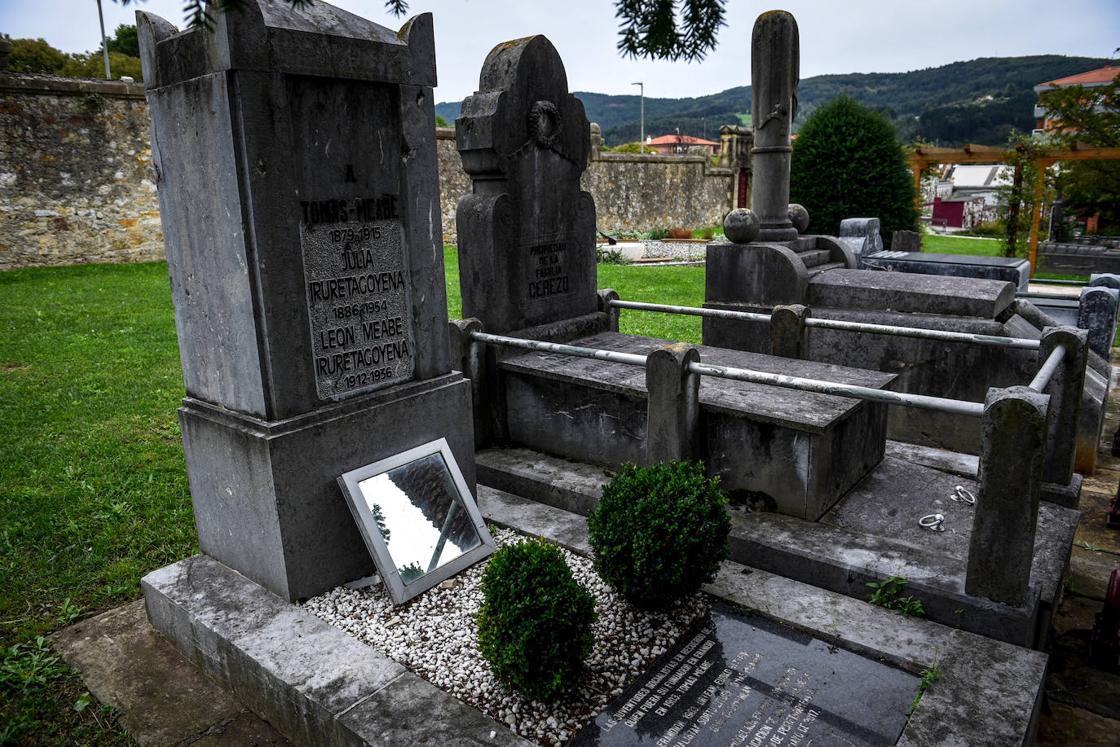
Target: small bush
{"type": "Point", "coordinates": [656, 234]}
{"type": "Point", "coordinates": [534, 626]}
{"type": "Point", "coordinates": [659, 532]}
{"type": "Point", "coordinates": [608, 256]}
{"type": "Point", "coordinates": [707, 234]}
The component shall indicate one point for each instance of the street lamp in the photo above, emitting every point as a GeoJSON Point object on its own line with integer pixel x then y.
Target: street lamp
{"type": "Point", "coordinates": [104, 41]}
{"type": "Point", "coordinates": [642, 104]}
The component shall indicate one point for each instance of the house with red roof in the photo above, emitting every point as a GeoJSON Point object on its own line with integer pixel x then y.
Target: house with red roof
{"type": "Point", "coordinates": [1089, 79]}
{"type": "Point", "coordinates": [678, 145]}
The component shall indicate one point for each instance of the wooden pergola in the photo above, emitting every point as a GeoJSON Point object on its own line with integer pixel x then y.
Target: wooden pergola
{"type": "Point", "coordinates": [922, 157]}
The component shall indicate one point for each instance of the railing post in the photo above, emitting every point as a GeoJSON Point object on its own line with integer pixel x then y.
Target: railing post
{"type": "Point", "coordinates": [1001, 549]}
{"type": "Point", "coordinates": [1097, 314]}
{"type": "Point", "coordinates": [1066, 387]}
{"type": "Point", "coordinates": [606, 295]}
{"type": "Point", "coordinates": [787, 331]}
{"type": "Point", "coordinates": [469, 357]}
{"type": "Point", "coordinates": [673, 404]}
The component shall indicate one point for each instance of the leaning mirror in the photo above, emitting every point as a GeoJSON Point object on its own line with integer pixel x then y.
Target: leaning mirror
{"type": "Point", "coordinates": [417, 517]}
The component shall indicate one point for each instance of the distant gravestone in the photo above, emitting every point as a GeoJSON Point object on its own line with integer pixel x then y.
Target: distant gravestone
{"type": "Point", "coordinates": [527, 232]}
{"type": "Point", "coordinates": [861, 236]}
{"type": "Point", "coordinates": [298, 184]}
{"type": "Point", "coordinates": [906, 241]}
{"type": "Point", "coordinates": [744, 680]}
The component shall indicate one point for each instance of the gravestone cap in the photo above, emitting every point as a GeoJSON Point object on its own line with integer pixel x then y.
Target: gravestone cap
{"type": "Point", "coordinates": [522, 98]}
{"type": "Point", "coordinates": [312, 39]}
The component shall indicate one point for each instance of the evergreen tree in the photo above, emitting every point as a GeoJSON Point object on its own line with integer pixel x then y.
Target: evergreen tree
{"type": "Point", "coordinates": [848, 163]}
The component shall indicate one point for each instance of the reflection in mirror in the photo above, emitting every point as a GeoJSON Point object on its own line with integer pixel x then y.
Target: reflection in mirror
{"type": "Point", "coordinates": [420, 515]}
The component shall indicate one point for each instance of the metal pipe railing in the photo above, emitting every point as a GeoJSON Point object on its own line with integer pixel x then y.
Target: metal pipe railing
{"type": "Point", "coordinates": [1042, 379]}
{"type": "Point", "coordinates": [749, 316]}
{"type": "Point", "coordinates": [630, 359]}
{"type": "Point", "coordinates": [1019, 343]}
{"type": "Point", "coordinates": [852, 391]}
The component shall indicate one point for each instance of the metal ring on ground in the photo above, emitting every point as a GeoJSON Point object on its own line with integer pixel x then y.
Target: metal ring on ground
{"type": "Point", "coordinates": [933, 522]}
{"type": "Point", "coordinates": [961, 493]}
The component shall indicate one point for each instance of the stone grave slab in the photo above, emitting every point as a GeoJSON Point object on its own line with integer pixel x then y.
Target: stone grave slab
{"type": "Point", "coordinates": [799, 451]}
{"type": "Point", "coordinates": [906, 292]}
{"type": "Point", "coordinates": [743, 679]}
{"type": "Point", "coordinates": [1010, 677]}
{"type": "Point", "coordinates": [1008, 269]}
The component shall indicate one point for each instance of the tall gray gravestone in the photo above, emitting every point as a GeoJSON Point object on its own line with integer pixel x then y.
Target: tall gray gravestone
{"type": "Point", "coordinates": [527, 231]}
{"type": "Point", "coordinates": [298, 184]}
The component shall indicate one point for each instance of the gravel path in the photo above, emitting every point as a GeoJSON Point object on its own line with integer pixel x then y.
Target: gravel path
{"type": "Point", "coordinates": [435, 635]}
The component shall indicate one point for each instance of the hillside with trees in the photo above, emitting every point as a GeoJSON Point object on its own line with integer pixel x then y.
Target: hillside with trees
{"type": "Point", "coordinates": [979, 101]}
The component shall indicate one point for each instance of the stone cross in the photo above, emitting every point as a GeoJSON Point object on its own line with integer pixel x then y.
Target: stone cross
{"type": "Point", "coordinates": [527, 231]}
{"type": "Point", "coordinates": [775, 57]}
{"type": "Point", "coordinates": [295, 156]}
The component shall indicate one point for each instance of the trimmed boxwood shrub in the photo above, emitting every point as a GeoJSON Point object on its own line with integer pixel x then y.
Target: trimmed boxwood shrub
{"type": "Point", "coordinates": [659, 532]}
{"type": "Point", "coordinates": [847, 163]}
{"type": "Point", "coordinates": [534, 626]}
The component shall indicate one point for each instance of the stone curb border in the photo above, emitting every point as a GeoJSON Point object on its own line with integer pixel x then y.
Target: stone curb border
{"type": "Point", "coordinates": [317, 685]}
{"type": "Point", "coordinates": [989, 692]}
{"type": "Point", "coordinates": [309, 680]}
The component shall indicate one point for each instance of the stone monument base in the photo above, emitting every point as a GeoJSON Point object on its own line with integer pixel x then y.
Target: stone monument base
{"type": "Point", "coordinates": [317, 685]}
{"type": "Point", "coordinates": [266, 500]}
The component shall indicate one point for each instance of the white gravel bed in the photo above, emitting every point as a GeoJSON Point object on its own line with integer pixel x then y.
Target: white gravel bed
{"type": "Point", "coordinates": [435, 635]}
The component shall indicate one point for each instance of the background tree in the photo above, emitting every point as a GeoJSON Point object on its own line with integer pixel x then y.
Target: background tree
{"type": "Point", "coordinates": [657, 29]}
{"type": "Point", "coordinates": [848, 163]}
{"type": "Point", "coordinates": [35, 56]}
{"type": "Point", "coordinates": [124, 41]}
{"type": "Point", "coordinates": [1090, 116]}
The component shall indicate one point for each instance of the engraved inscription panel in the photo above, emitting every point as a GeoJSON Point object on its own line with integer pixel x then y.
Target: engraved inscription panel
{"type": "Point", "coordinates": [548, 271]}
{"type": "Point", "coordinates": [358, 298]}
{"type": "Point", "coordinates": [750, 682]}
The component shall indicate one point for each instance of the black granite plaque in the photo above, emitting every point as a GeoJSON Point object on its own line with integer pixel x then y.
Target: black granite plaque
{"type": "Point", "coordinates": [357, 302]}
{"type": "Point", "coordinates": [744, 680]}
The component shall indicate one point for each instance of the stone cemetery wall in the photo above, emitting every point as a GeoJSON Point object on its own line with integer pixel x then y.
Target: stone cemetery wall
{"type": "Point", "coordinates": [76, 182]}
{"type": "Point", "coordinates": [632, 192]}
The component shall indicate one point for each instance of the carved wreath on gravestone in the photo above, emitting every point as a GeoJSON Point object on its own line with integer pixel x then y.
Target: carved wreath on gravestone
{"type": "Point", "coordinates": [544, 123]}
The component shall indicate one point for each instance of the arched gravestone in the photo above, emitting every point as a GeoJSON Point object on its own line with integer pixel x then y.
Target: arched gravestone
{"type": "Point", "coordinates": [295, 156]}
{"type": "Point", "coordinates": [527, 232]}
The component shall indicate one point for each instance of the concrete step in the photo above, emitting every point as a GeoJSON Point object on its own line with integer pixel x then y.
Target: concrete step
{"type": "Point", "coordinates": [815, 257]}
{"type": "Point", "coordinates": [867, 536]}
{"type": "Point", "coordinates": [814, 271]}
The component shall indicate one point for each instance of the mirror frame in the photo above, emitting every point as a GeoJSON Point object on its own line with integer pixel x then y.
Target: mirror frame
{"type": "Point", "coordinates": [367, 526]}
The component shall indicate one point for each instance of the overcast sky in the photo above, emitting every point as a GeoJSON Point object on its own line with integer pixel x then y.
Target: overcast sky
{"type": "Point", "coordinates": [837, 36]}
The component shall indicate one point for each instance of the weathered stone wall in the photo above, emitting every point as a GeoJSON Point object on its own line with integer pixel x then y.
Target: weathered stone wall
{"type": "Point", "coordinates": [632, 192]}
{"type": "Point", "coordinates": [76, 181]}
{"type": "Point", "coordinates": [641, 192]}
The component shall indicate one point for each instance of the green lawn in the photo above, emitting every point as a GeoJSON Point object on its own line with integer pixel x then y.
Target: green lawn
{"type": "Point", "coordinates": [937, 244]}
{"type": "Point", "coordinates": [93, 488]}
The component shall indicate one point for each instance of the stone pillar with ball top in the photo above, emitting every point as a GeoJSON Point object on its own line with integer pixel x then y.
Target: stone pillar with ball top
{"type": "Point", "coordinates": [767, 259]}
{"type": "Point", "coordinates": [294, 148]}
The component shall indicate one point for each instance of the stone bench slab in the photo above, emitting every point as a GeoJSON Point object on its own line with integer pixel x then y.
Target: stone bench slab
{"type": "Point", "coordinates": [795, 451]}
